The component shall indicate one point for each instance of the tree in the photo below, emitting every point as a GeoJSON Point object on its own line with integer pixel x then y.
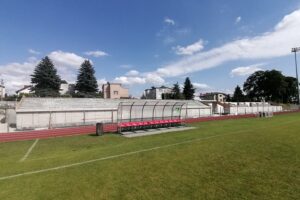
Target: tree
{"type": "Point", "coordinates": [271, 86]}
{"type": "Point", "coordinates": [45, 80]}
{"type": "Point", "coordinates": [188, 89]}
{"type": "Point", "coordinates": [176, 91]}
{"type": "Point", "coordinates": [274, 86]}
{"type": "Point", "coordinates": [86, 84]}
{"type": "Point", "coordinates": [238, 95]}
{"type": "Point", "coordinates": [228, 98]}
{"type": "Point", "coordinates": [253, 86]}
{"type": "Point", "coordinates": [291, 95]}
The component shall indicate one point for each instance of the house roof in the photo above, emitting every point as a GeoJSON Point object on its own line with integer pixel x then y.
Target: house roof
{"type": "Point", "coordinates": [161, 87]}
{"type": "Point", "coordinates": [212, 93]}
{"type": "Point", "coordinates": [24, 88]}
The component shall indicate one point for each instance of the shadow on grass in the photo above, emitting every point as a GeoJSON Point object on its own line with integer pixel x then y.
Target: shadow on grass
{"type": "Point", "coordinates": [109, 133]}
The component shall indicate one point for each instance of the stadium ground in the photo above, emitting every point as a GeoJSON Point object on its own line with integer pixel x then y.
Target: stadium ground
{"type": "Point", "coordinates": [233, 159]}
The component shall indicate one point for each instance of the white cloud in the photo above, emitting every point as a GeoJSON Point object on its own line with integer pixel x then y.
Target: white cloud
{"type": "Point", "coordinates": [275, 43]}
{"type": "Point", "coordinates": [61, 58]}
{"type": "Point", "coordinates": [101, 82]}
{"type": "Point", "coordinates": [201, 86]}
{"type": "Point", "coordinates": [169, 21]}
{"type": "Point", "coordinates": [169, 40]}
{"type": "Point", "coordinates": [238, 19]}
{"type": "Point", "coordinates": [142, 79]}
{"type": "Point", "coordinates": [246, 70]}
{"type": "Point", "coordinates": [130, 80]}
{"type": "Point", "coordinates": [16, 75]}
{"type": "Point", "coordinates": [67, 64]}
{"type": "Point", "coordinates": [190, 49]}
{"type": "Point", "coordinates": [126, 66]}
{"type": "Point", "coordinates": [132, 73]}
{"type": "Point", "coordinates": [33, 52]}
{"type": "Point", "coordinates": [96, 53]}
{"type": "Point", "coordinates": [154, 79]}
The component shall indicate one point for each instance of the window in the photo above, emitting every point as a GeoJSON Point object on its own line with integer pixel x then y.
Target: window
{"type": "Point", "coordinates": [116, 92]}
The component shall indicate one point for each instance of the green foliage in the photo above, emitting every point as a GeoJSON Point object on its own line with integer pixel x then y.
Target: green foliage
{"type": "Point", "coordinates": [228, 98]}
{"type": "Point", "coordinates": [188, 89]}
{"type": "Point", "coordinates": [86, 85]}
{"type": "Point", "coordinates": [45, 80]}
{"type": "Point", "coordinates": [291, 95]}
{"type": "Point", "coordinates": [11, 98]}
{"type": "Point", "coordinates": [238, 95]}
{"type": "Point", "coordinates": [271, 86]}
{"type": "Point", "coordinates": [167, 96]}
{"type": "Point", "coordinates": [176, 91]}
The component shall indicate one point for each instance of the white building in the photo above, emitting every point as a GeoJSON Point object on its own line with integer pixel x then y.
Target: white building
{"type": "Point", "coordinates": [157, 92]}
{"type": "Point", "coordinates": [214, 96]}
{"type": "Point", "coordinates": [25, 90]}
{"type": "Point", "coordinates": [66, 88]}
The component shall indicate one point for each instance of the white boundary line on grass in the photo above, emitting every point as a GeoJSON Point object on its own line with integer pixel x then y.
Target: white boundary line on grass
{"type": "Point", "coordinates": [29, 150]}
{"type": "Point", "coordinates": [124, 154]}
{"type": "Point", "coordinates": [114, 156]}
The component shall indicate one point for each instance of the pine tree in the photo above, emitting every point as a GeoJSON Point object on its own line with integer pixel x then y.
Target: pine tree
{"type": "Point", "coordinates": [86, 85]}
{"type": "Point", "coordinates": [188, 89]}
{"type": "Point", "coordinates": [176, 91]}
{"type": "Point", "coordinates": [238, 95]}
{"type": "Point", "coordinates": [45, 80]}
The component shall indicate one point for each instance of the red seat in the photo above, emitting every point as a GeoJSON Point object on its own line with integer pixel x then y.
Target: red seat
{"type": "Point", "coordinates": [152, 123]}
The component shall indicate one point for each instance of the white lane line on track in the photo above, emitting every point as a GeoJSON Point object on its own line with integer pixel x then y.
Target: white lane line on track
{"type": "Point", "coordinates": [114, 156]}
{"type": "Point", "coordinates": [29, 150]}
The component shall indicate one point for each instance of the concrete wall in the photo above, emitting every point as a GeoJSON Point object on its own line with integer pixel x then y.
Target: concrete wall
{"type": "Point", "coordinates": [253, 109]}
{"type": "Point", "coordinates": [45, 119]}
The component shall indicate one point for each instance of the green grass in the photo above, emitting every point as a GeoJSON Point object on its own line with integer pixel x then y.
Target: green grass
{"type": "Point", "coordinates": [237, 159]}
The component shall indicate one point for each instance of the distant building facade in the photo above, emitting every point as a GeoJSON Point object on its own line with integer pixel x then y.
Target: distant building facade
{"type": "Point", "coordinates": [157, 92]}
{"type": "Point", "coordinates": [66, 88]}
{"type": "Point", "coordinates": [114, 91]}
{"type": "Point", "coordinates": [214, 96]}
{"type": "Point", "coordinates": [25, 90]}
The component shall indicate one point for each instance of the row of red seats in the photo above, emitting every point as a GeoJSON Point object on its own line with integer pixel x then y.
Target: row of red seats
{"type": "Point", "coordinates": [152, 123]}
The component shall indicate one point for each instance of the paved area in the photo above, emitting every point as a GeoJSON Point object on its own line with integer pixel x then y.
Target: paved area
{"type": "Point", "coordinates": [139, 133]}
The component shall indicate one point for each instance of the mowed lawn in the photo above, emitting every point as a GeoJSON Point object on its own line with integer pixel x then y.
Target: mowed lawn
{"type": "Point", "coordinates": [234, 159]}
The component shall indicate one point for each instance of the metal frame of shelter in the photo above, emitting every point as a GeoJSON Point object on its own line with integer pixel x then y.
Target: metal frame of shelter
{"type": "Point", "coordinates": [150, 110]}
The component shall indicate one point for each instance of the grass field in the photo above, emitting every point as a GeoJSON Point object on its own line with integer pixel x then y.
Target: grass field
{"type": "Point", "coordinates": [234, 159]}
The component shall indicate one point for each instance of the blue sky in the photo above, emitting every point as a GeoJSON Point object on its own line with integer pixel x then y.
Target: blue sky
{"type": "Point", "coordinates": [143, 43]}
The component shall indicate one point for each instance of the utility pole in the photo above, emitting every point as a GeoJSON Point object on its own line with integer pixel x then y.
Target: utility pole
{"type": "Point", "coordinates": [295, 50]}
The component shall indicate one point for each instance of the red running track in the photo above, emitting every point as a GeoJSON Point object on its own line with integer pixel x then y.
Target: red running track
{"type": "Point", "coordinates": [83, 130]}
{"type": "Point", "coordinates": [41, 134]}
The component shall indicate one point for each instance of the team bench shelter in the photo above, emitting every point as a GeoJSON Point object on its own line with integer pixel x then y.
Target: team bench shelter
{"type": "Point", "coordinates": [150, 114]}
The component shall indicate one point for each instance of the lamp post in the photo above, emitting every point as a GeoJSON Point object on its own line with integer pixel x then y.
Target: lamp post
{"type": "Point", "coordinates": [295, 50]}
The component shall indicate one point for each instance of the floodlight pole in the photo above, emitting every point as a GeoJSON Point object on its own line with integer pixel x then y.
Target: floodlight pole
{"type": "Point", "coordinates": [295, 50]}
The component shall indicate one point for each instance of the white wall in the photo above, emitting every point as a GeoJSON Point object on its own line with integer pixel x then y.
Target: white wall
{"type": "Point", "coordinates": [254, 109]}
{"type": "Point", "coordinates": [45, 119]}
{"type": "Point", "coordinates": [31, 120]}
